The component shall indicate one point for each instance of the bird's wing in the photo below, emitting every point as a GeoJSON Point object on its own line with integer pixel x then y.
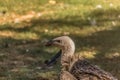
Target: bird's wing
{"type": "Point", "coordinates": [65, 75]}
{"type": "Point", "coordinates": [53, 59]}
{"type": "Point", "coordinates": [84, 67]}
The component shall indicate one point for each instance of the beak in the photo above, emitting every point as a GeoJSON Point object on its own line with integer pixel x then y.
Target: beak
{"type": "Point", "coordinates": [49, 43]}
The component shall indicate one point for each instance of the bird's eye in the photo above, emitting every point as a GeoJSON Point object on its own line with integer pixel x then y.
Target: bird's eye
{"type": "Point", "coordinates": [58, 41]}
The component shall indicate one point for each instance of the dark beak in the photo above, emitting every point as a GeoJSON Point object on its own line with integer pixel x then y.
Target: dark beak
{"type": "Point", "coordinates": [49, 43]}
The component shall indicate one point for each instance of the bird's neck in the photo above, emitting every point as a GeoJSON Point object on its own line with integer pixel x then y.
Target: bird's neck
{"type": "Point", "coordinates": [67, 53]}
{"type": "Point", "coordinates": [69, 49]}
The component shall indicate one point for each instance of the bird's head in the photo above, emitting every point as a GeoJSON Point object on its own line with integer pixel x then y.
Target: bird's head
{"type": "Point", "coordinates": [65, 43]}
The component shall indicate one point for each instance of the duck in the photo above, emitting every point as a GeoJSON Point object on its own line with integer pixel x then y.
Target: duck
{"type": "Point", "coordinates": [75, 67]}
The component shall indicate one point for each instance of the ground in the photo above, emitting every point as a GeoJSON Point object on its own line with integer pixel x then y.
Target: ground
{"type": "Point", "coordinates": [26, 24]}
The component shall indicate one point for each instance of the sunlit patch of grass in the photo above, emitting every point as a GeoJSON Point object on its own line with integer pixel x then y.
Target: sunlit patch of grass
{"type": "Point", "coordinates": [113, 55]}
{"type": "Point", "coordinates": [93, 25]}
{"type": "Point", "coordinates": [22, 35]}
{"type": "Point", "coordinates": [88, 54]}
{"type": "Point", "coordinates": [49, 74]}
{"type": "Point", "coordinates": [26, 35]}
{"type": "Point", "coordinates": [12, 6]}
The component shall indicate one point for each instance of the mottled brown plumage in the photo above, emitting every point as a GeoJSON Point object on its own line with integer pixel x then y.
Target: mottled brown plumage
{"type": "Point", "coordinates": [66, 75]}
{"type": "Point", "coordinates": [74, 67]}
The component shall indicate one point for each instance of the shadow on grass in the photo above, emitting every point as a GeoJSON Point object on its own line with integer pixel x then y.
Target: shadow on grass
{"type": "Point", "coordinates": [100, 15]}
{"type": "Point", "coordinates": [31, 53]}
{"type": "Point", "coordinates": [23, 60]}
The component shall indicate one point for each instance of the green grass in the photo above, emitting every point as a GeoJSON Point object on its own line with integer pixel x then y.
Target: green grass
{"type": "Point", "coordinates": [22, 52]}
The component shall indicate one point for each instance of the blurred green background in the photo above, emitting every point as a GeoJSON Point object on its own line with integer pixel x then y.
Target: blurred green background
{"type": "Point", "coordinates": [94, 25]}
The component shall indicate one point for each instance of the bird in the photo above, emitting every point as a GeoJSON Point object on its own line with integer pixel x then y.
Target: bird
{"type": "Point", "coordinates": [75, 67]}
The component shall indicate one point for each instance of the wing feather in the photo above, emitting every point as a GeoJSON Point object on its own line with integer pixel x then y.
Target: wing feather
{"type": "Point", "coordinates": [81, 68]}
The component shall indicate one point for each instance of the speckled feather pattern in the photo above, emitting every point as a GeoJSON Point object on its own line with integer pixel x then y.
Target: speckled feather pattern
{"type": "Point", "coordinates": [83, 70]}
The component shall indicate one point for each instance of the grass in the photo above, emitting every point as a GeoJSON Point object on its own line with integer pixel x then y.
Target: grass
{"type": "Point", "coordinates": [93, 25]}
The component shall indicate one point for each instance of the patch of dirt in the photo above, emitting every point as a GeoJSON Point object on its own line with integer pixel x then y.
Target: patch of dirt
{"type": "Point", "coordinates": [17, 18]}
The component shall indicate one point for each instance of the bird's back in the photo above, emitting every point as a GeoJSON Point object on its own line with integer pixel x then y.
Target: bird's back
{"type": "Point", "coordinates": [83, 70]}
